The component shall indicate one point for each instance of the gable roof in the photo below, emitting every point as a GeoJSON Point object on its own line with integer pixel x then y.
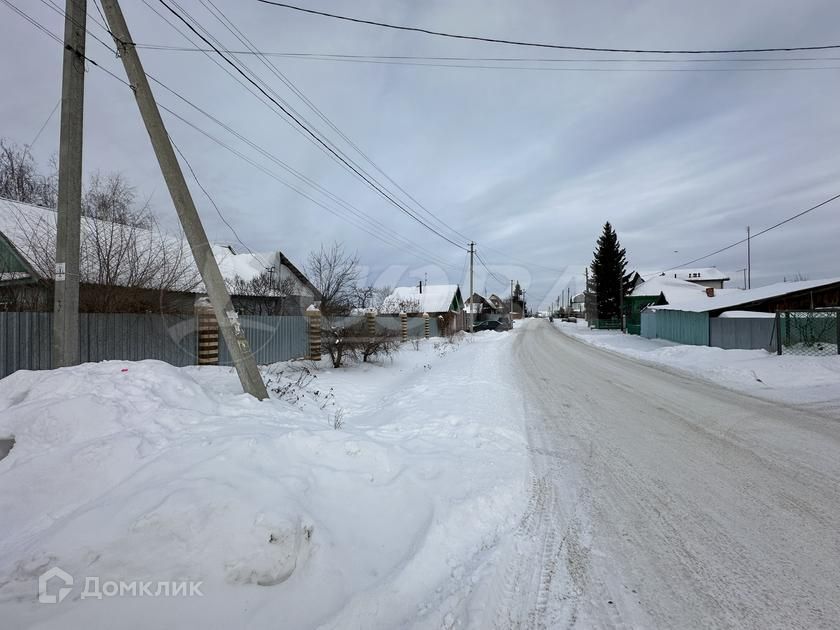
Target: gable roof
{"type": "Point", "coordinates": [435, 298]}
{"type": "Point", "coordinates": [30, 231]}
{"type": "Point", "coordinates": [729, 299]}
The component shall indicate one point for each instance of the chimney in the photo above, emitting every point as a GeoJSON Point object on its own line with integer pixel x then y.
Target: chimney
{"type": "Point", "coordinates": [421, 287]}
{"type": "Point", "coordinates": [710, 291]}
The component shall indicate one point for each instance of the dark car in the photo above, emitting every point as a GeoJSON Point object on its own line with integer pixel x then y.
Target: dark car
{"type": "Point", "coordinates": [490, 324]}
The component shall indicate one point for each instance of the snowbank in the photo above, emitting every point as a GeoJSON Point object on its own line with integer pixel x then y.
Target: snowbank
{"type": "Point", "coordinates": [145, 472]}
{"type": "Point", "coordinates": [813, 382]}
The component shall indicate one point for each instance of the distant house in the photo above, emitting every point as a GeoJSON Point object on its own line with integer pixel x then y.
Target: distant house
{"type": "Point", "coordinates": [441, 301]}
{"type": "Point", "coordinates": [710, 277]}
{"type": "Point", "coordinates": [480, 305]}
{"type": "Point", "coordinates": [497, 304]}
{"type": "Point", "coordinates": [579, 305]}
{"type": "Point", "coordinates": [127, 268]}
{"type": "Point", "coordinates": [697, 317]}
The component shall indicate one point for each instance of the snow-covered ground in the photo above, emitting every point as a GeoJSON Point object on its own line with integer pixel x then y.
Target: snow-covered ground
{"type": "Point", "coordinates": [125, 472]}
{"type": "Point", "coordinates": [813, 382]}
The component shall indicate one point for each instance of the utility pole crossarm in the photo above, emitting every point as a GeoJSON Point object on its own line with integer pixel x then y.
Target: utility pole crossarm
{"type": "Point", "coordinates": [237, 343]}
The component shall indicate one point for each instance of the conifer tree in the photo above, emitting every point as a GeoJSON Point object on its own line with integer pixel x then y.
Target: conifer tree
{"type": "Point", "coordinates": [609, 281]}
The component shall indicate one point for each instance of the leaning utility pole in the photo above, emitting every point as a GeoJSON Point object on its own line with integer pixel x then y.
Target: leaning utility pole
{"type": "Point", "coordinates": [65, 347]}
{"type": "Point", "coordinates": [237, 343]}
{"type": "Point", "coordinates": [472, 317]}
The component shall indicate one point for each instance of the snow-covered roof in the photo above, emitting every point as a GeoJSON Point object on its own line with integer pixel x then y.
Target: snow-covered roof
{"type": "Point", "coordinates": [435, 298]}
{"type": "Point", "coordinates": [674, 289]}
{"type": "Point", "coordinates": [729, 299]}
{"type": "Point", "coordinates": [31, 230]}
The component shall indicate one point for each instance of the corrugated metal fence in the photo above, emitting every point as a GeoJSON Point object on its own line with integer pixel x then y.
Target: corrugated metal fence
{"type": "Point", "coordinates": [26, 339]}
{"type": "Point", "coordinates": [273, 338]}
{"type": "Point", "coordinates": [680, 326]}
{"type": "Point", "coordinates": [745, 333]}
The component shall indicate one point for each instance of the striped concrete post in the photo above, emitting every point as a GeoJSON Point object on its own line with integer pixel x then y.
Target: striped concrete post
{"type": "Point", "coordinates": [404, 326]}
{"type": "Point", "coordinates": [370, 318]}
{"type": "Point", "coordinates": [208, 333]}
{"type": "Point", "coordinates": [313, 315]}
{"type": "Point", "coordinates": [426, 327]}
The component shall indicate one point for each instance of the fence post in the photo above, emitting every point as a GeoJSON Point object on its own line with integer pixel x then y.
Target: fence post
{"type": "Point", "coordinates": [778, 333]}
{"type": "Point", "coordinates": [370, 317]}
{"type": "Point", "coordinates": [427, 328]}
{"type": "Point", "coordinates": [208, 333]}
{"type": "Point", "coordinates": [313, 315]}
{"type": "Point", "coordinates": [837, 330]}
{"type": "Point", "coordinates": [403, 326]}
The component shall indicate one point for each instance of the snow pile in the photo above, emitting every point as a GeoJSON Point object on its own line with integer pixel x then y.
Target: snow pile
{"type": "Point", "coordinates": [813, 382]}
{"type": "Point", "coordinates": [145, 472]}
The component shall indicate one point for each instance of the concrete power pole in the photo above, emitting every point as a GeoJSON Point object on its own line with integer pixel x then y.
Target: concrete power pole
{"type": "Point", "coordinates": [65, 349]}
{"type": "Point", "coordinates": [472, 317]}
{"type": "Point", "coordinates": [237, 343]}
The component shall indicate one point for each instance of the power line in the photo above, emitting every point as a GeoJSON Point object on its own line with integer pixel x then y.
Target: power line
{"type": "Point", "coordinates": [492, 274]}
{"type": "Point", "coordinates": [510, 42]}
{"type": "Point", "coordinates": [46, 122]}
{"type": "Point", "coordinates": [764, 231]}
{"type": "Point", "coordinates": [480, 66]}
{"type": "Point", "coordinates": [232, 28]}
{"type": "Point", "coordinates": [309, 131]}
{"type": "Point", "coordinates": [213, 202]}
{"type": "Point", "coordinates": [304, 55]}
{"type": "Point", "coordinates": [382, 237]}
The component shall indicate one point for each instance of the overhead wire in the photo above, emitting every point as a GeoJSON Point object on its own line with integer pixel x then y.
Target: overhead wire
{"type": "Point", "coordinates": [511, 42]}
{"type": "Point", "coordinates": [383, 237]}
{"type": "Point", "coordinates": [757, 234]}
{"type": "Point", "coordinates": [367, 179]}
{"type": "Point", "coordinates": [233, 29]}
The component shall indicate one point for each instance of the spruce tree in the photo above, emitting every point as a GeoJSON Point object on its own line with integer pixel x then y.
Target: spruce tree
{"type": "Point", "coordinates": [608, 274]}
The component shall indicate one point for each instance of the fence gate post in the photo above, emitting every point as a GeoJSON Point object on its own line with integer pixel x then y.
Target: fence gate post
{"type": "Point", "coordinates": [837, 330]}
{"type": "Point", "coordinates": [426, 327]}
{"type": "Point", "coordinates": [778, 333]}
{"type": "Point", "coordinates": [404, 326]}
{"type": "Point", "coordinates": [370, 317]}
{"type": "Point", "coordinates": [313, 315]}
{"type": "Point", "coordinates": [208, 333]}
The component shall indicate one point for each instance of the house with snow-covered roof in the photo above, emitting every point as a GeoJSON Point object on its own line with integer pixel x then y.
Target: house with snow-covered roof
{"type": "Point", "coordinates": [135, 268]}
{"type": "Point", "coordinates": [441, 301]}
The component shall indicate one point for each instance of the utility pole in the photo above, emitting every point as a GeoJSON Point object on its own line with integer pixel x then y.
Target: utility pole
{"type": "Point", "coordinates": [69, 212]}
{"type": "Point", "coordinates": [511, 302]}
{"type": "Point", "coordinates": [237, 343]}
{"type": "Point", "coordinates": [749, 263]}
{"type": "Point", "coordinates": [472, 252]}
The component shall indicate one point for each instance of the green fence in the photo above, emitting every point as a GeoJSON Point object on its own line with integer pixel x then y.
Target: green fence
{"type": "Point", "coordinates": [633, 307]}
{"type": "Point", "coordinates": [682, 327]}
{"type": "Point", "coordinates": [813, 333]}
{"type": "Point", "coordinates": [606, 324]}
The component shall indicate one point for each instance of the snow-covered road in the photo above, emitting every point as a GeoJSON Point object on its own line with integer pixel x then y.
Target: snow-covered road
{"type": "Point", "coordinates": [657, 500]}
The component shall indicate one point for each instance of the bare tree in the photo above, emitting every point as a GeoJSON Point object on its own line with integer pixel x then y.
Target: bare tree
{"type": "Point", "coordinates": [363, 296]}
{"type": "Point", "coordinates": [269, 296]}
{"type": "Point", "coordinates": [335, 274]}
{"type": "Point", "coordinates": [20, 179]}
{"type": "Point", "coordinates": [126, 261]}
{"type": "Point", "coordinates": [346, 343]}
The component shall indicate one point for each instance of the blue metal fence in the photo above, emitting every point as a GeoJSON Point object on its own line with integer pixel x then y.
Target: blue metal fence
{"type": "Point", "coordinates": [272, 338]}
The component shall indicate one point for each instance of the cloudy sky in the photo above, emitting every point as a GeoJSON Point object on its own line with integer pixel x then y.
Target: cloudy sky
{"type": "Point", "coordinates": [527, 162]}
